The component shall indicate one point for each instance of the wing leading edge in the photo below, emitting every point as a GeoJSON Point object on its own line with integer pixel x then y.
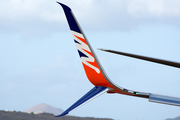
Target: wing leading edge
{"type": "Point", "coordinates": [96, 74]}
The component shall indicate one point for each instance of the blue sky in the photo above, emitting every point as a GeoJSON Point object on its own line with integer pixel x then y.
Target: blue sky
{"type": "Point", "coordinates": [40, 63]}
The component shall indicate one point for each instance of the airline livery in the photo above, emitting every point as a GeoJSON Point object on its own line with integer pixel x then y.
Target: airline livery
{"type": "Point", "coordinates": [96, 74]}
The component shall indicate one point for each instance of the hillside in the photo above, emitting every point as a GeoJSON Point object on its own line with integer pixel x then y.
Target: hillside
{"type": "Point", "coordinates": [177, 118]}
{"type": "Point", "coordinates": [4, 115]}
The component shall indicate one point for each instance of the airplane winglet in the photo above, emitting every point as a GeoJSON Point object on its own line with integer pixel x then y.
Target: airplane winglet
{"type": "Point", "coordinates": [70, 18]}
{"type": "Point", "coordinates": [93, 93]}
{"type": "Point", "coordinates": [96, 74]}
{"type": "Point", "coordinates": [92, 67]}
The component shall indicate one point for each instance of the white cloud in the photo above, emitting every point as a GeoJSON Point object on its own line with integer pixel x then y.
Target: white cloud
{"type": "Point", "coordinates": [156, 8]}
{"type": "Point", "coordinates": [48, 10]}
{"type": "Point", "coordinates": [37, 18]}
{"type": "Point", "coordinates": [16, 9]}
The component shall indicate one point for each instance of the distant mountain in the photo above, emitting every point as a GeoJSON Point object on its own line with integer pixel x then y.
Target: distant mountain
{"type": "Point", "coordinates": [177, 118]}
{"type": "Point", "coordinates": [44, 108]}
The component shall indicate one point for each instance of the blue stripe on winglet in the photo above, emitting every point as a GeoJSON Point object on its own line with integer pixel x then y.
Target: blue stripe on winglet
{"type": "Point", "coordinates": [70, 18]}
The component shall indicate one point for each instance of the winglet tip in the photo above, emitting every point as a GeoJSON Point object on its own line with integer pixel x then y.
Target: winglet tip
{"type": "Point", "coordinates": [63, 6]}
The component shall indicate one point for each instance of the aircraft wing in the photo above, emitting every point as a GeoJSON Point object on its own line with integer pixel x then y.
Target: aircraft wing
{"type": "Point", "coordinates": [95, 73]}
{"type": "Point", "coordinates": [155, 60]}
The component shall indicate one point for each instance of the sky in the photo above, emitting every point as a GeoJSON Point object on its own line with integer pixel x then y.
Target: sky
{"type": "Point", "coordinates": [40, 64]}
